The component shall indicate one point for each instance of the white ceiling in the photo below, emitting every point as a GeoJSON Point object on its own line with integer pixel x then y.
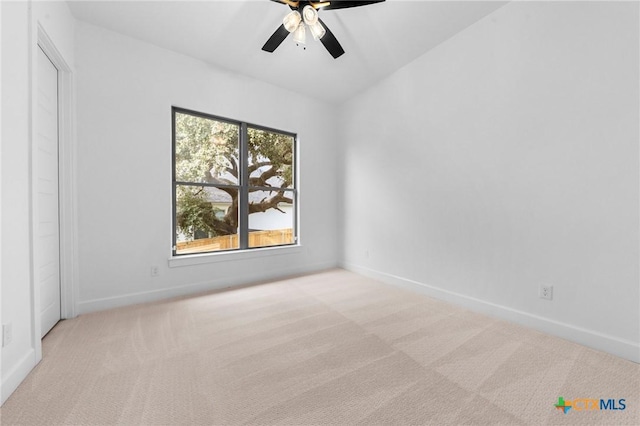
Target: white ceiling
{"type": "Point", "coordinates": [378, 39]}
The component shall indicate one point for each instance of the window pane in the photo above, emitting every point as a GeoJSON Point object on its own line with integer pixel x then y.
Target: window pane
{"type": "Point", "coordinates": [206, 219]}
{"type": "Point", "coordinates": [206, 150]}
{"type": "Point", "coordinates": [271, 218]}
{"type": "Point", "coordinates": [213, 156]}
{"type": "Point", "coordinates": [270, 159]}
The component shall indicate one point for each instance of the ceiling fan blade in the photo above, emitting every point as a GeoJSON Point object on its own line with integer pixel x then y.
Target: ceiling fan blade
{"type": "Point", "coordinates": [331, 42]}
{"type": "Point", "coordinates": [319, 4]}
{"type": "Point", "coordinates": [337, 4]}
{"type": "Point", "coordinates": [287, 2]}
{"type": "Point", "coordinates": [276, 39]}
{"type": "Point", "coordinates": [291, 3]}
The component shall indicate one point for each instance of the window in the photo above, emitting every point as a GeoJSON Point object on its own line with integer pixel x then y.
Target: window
{"type": "Point", "coordinates": [233, 185]}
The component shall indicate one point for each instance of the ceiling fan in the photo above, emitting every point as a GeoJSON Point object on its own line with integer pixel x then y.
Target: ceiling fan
{"type": "Point", "coordinates": [305, 14]}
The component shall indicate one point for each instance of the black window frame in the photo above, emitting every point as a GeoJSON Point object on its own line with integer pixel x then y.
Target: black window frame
{"type": "Point", "coordinates": [242, 185]}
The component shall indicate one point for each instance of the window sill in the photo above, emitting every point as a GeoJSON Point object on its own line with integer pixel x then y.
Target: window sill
{"type": "Point", "coordinates": [231, 256]}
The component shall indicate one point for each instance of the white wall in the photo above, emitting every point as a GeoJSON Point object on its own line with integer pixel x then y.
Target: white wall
{"type": "Point", "coordinates": [19, 39]}
{"type": "Point", "coordinates": [16, 284]}
{"type": "Point", "coordinates": [125, 90]}
{"type": "Point", "coordinates": [1, 240]}
{"type": "Point", "coordinates": [505, 158]}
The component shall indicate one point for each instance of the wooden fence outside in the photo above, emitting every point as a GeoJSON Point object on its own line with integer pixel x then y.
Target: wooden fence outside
{"type": "Point", "coordinates": [274, 237]}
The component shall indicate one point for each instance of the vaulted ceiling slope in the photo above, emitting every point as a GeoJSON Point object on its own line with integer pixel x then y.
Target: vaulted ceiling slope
{"type": "Point", "coordinates": [378, 39]}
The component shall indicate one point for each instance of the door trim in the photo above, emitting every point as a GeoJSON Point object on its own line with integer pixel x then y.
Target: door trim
{"type": "Point", "coordinates": [66, 185]}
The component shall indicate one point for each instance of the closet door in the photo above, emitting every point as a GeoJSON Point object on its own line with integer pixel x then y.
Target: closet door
{"type": "Point", "coordinates": [47, 229]}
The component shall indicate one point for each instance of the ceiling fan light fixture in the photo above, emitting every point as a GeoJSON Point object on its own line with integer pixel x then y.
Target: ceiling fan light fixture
{"type": "Point", "coordinates": [317, 31]}
{"type": "Point", "coordinates": [300, 35]}
{"type": "Point", "coordinates": [304, 13]}
{"type": "Point", "coordinates": [310, 15]}
{"type": "Point", "coordinates": [292, 21]}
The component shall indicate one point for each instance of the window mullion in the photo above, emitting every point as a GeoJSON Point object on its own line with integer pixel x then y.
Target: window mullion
{"type": "Point", "coordinates": [243, 202]}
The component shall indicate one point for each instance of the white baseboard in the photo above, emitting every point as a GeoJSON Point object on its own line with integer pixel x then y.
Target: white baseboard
{"type": "Point", "coordinates": [593, 339]}
{"type": "Point", "coordinates": [194, 288]}
{"type": "Point", "coordinates": [17, 375]}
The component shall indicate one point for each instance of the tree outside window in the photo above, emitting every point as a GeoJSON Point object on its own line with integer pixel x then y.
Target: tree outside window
{"type": "Point", "coordinates": [234, 184]}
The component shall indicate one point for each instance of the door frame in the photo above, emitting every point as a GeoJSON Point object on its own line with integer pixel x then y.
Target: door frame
{"type": "Point", "coordinates": [66, 185]}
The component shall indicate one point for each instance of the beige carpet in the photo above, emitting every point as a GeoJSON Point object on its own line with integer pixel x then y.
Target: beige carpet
{"type": "Point", "coordinates": [329, 348]}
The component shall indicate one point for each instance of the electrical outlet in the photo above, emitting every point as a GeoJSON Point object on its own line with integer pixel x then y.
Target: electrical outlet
{"type": "Point", "coordinates": [546, 292]}
{"type": "Point", "coordinates": [155, 271]}
{"type": "Point", "coordinates": [7, 334]}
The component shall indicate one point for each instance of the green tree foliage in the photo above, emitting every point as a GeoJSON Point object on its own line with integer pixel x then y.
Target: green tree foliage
{"type": "Point", "coordinates": [208, 151]}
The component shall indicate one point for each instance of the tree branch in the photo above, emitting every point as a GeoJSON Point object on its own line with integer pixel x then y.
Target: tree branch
{"type": "Point", "coordinates": [263, 178]}
{"type": "Point", "coordinates": [222, 227]}
{"type": "Point", "coordinates": [234, 167]}
{"type": "Point", "coordinates": [271, 203]}
{"type": "Point", "coordinates": [255, 166]}
{"type": "Point", "coordinates": [233, 192]}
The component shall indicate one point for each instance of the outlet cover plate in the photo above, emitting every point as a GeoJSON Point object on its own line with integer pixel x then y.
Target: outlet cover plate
{"type": "Point", "coordinates": [7, 334]}
{"type": "Point", "coordinates": [546, 292]}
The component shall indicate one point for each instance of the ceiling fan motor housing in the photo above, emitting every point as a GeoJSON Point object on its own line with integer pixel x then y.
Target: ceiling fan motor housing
{"type": "Point", "coordinates": [296, 23]}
